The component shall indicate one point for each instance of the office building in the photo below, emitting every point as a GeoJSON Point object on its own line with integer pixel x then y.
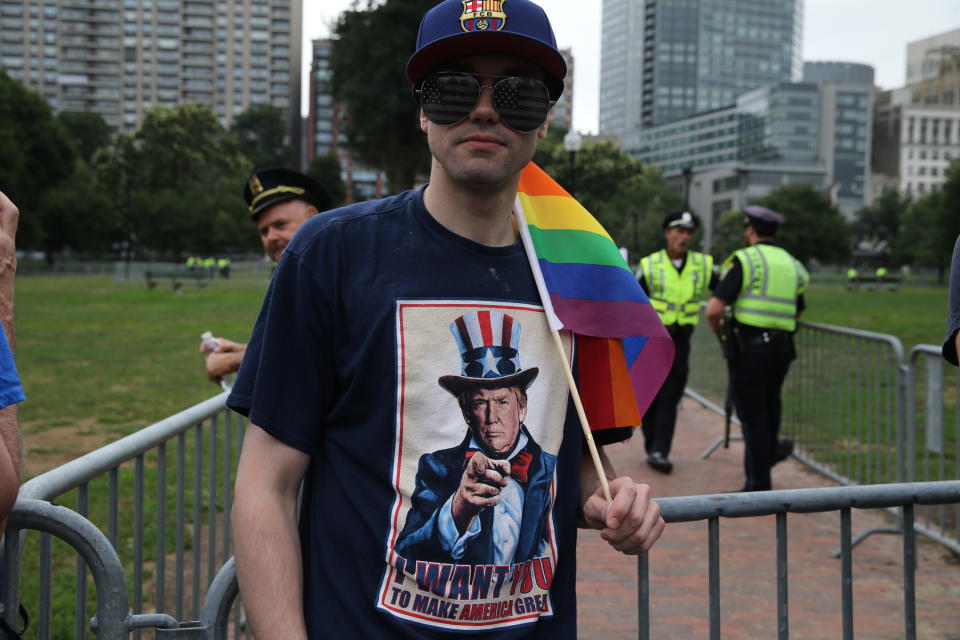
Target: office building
{"type": "Point", "coordinates": [924, 56]}
{"type": "Point", "coordinates": [914, 143]}
{"type": "Point", "coordinates": [816, 132]}
{"type": "Point", "coordinates": [665, 60]}
{"type": "Point", "coordinates": [120, 58]}
{"type": "Point", "coordinates": [562, 115]}
{"type": "Point", "coordinates": [326, 130]}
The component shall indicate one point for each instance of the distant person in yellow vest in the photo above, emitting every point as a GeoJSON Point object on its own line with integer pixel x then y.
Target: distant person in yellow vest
{"type": "Point", "coordinates": [675, 280]}
{"type": "Point", "coordinates": [223, 266]}
{"type": "Point", "coordinates": [210, 264]}
{"type": "Point", "coordinates": [764, 284]}
{"type": "Point", "coordinates": [853, 279]}
{"type": "Point", "coordinates": [191, 265]}
{"type": "Point", "coordinates": [881, 274]}
{"type": "Point", "coordinates": [279, 200]}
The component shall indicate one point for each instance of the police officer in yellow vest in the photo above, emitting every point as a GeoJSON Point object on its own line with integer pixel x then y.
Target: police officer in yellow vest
{"type": "Point", "coordinates": [675, 280]}
{"type": "Point", "coordinates": [764, 284]}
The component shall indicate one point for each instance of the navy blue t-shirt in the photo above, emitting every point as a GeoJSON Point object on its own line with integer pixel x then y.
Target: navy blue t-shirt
{"type": "Point", "coordinates": [375, 322]}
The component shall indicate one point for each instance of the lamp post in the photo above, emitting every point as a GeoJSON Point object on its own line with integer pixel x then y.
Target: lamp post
{"type": "Point", "coordinates": [571, 142]}
{"type": "Point", "coordinates": [687, 176]}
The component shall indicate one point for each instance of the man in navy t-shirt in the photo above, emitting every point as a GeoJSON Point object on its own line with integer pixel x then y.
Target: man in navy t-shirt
{"type": "Point", "coordinates": [409, 526]}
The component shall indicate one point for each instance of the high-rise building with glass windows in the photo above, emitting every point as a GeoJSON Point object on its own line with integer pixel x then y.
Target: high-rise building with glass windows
{"type": "Point", "coordinates": [662, 60]}
{"type": "Point", "coordinates": [120, 58]}
{"type": "Point", "coordinates": [326, 130]}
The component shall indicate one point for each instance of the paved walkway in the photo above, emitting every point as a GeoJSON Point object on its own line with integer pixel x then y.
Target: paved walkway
{"type": "Point", "coordinates": [607, 584]}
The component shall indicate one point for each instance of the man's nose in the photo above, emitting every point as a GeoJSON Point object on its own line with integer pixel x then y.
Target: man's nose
{"type": "Point", "coordinates": [483, 111]}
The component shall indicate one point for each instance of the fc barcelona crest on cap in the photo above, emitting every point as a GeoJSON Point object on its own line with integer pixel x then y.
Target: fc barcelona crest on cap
{"type": "Point", "coordinates": [489, 344]}
{"type": "Point", "coordinates": [483, 15]}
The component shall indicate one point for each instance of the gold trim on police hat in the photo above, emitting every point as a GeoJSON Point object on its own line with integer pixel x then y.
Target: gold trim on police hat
{"type": "Point", "coordinates": [269, 192]}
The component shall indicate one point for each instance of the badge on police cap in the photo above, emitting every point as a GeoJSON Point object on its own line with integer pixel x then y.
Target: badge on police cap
{"type": "Point", "coordinates": [483, 15]}
{"type": "Point", "coordinates": [255, 186]}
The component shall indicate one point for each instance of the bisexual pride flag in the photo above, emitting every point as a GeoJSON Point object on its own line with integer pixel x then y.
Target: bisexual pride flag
{"type": "Point", "coordinates": [623, 350]}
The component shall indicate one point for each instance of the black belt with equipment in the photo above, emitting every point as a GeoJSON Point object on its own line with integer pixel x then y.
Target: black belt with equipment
{"type": "Point", "coordinates": [764, 337]}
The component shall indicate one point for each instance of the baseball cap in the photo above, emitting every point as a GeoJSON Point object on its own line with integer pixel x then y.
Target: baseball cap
{"type": "Point", "coordinates": [457, 28]}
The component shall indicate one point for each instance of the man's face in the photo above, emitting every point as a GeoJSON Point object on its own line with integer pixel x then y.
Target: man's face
{"type": "Point", "coordinates": [494, 417]}
{"type": "Point", "coordinates": [678, 240]}
{"type": "Point", "coordinates": [482, 150]}
{"type": "Point", "coordinates": [278, 224]}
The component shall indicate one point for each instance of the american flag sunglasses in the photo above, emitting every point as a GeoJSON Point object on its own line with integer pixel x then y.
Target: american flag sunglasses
{"type": "Point", "coordinates": [448, 97]}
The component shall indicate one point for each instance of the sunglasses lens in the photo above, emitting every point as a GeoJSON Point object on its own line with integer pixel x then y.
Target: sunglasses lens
{"type": "Point", "coordinates": [448, 98]}
{"type": "Point", "coordinates": [523, 103]}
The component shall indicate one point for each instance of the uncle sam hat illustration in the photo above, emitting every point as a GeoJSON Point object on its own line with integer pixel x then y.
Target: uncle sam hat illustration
{"type": "Point", "coordinates": [489, 344]}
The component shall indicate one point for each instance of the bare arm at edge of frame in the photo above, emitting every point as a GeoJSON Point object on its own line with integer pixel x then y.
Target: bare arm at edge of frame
{"type": "Point", "coordinates": [266, 541]}
{"type": "Point", "coordinates": [11, 439]}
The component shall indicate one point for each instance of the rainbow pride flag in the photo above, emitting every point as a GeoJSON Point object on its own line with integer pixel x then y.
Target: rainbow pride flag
{"type": "Point", "coordinates": [623, 351]}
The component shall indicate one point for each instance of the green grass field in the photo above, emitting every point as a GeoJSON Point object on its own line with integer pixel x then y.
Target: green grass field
{"type": "Point", "coordinates": [101, 359]}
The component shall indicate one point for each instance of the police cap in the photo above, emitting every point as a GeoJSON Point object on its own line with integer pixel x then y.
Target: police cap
{"type": "Point", "coordinates": [681, 219]}
{"type": "Point", "coordinates": [270, 186]}
{"type": "Point", "coordinates": [762, 214]}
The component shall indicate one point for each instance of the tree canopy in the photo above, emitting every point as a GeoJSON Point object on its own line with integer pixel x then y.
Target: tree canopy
{"type": "Point", "coordinates": [815, 229]}
{"type": "Point", "coordinates": [372, 43]}
{"type": "Point", "coordinates": [627, 197]}
{"type": "Point", "coordinates": [326, 170]}
{"type": "Point", "coordinates": [88, 130]}
{"type": "Point", "coordinates": [176, 183]}
{"type": "Point", "coordinates": [261, 133]}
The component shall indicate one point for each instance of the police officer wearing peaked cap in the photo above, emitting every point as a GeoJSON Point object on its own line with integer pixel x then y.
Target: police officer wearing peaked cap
{"type": "Point", "coordinates": [273, 185]}
{"type": "Point", "coordinates": [764, 285]}
{"type": "Point", "coordinates": [279, 201]}
{"type": "Point", "coordinates": [675, 280]}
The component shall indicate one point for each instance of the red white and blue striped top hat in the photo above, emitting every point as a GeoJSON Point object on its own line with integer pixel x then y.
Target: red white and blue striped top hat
{"type": "Point", "coordinates": [489, 343]}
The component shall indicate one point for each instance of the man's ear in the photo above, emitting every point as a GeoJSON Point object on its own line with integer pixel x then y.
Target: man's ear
{"type": "Point", "coordinates": [542, 131]}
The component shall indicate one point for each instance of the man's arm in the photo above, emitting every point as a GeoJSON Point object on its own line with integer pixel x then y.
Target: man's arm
{"type": "Point", "coordinates": [631, 523]}
{"type": "Point", "coordinates": [266, 542]}
{"type": "Point", "coordinates": [11, 440]}
{"type": "Point", "coordinates": [224, 360]}
{"type": "Point", "coordinates": [951, 344]}
{"type": "Point", "coordinates": [715, 309]}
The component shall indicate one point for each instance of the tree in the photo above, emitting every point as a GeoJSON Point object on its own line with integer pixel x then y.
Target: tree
{"type": "Point", "coordinates": [931, 225]}
{"type": "Point", "coordinates": [88, 130]}
{"type": "Point", "coordinates": [627, 197]}
{"type": "Point", "coordinates": [261, 133]}
{"type": "Point", "coordinates": [35, 155]}
{"type": "Point", "coordinates": [370, 85]}
{"type": "Point", "coordinates": [75, 215]}
{"type": "Point", "coordinates": [879, 224]}
{"type": "Point", "coordinates": [326, 170]}
{"type": "Point", "coordinates": [177, 183]}
{"type": "Point", "coordinates": [815, 228]}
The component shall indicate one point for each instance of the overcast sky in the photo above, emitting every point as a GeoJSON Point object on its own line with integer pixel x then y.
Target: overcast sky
{"type": "Point", "coordinates": [875, 32]}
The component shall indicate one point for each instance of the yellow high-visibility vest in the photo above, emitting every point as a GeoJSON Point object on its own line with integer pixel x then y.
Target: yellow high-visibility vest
{"type": "Point", "coordinates": [772, 280]}
{"type": "Point", "coordinates": [675, 295]}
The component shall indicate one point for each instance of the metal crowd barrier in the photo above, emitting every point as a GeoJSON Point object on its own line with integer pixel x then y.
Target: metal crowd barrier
{"type": "Point", "coordinates": [933, 435]}
{"type": "Point", "coordinates": [851, 403]}
{"type": "Point", "coordinates": [165, 519]}
{"type": "Point", "coordinates": [780, 503]}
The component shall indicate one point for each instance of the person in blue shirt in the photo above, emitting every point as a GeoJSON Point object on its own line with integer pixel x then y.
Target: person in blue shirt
{"type": "Point", "coordinates": [11, 392]}
{"type": "Point", "coordinates": [951, 342]}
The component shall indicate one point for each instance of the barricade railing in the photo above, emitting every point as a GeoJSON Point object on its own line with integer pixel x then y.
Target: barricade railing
{"type": "Point", "coordinates": [933, 435]}
{"type": "Point", "coordinates": [851, 404]}
{"type": "Point", "coordinates": [160, 496]}
{"type": "Point", "coordinates": [902, 496]}
{"type": "Point", "coordinates": [112, 619]}
{"type": "Point", "coordinates": [843, 400]}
